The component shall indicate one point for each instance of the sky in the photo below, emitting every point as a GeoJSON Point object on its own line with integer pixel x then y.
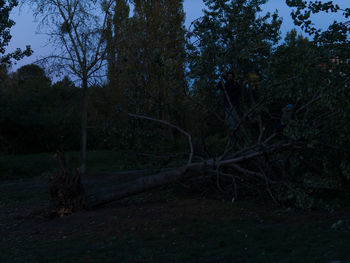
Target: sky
{"type": "Point", "coordinates": [25, 32]}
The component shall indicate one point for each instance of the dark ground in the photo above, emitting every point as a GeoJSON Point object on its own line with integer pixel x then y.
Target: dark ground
{"type": "Point", "coordinates": [166, 225]}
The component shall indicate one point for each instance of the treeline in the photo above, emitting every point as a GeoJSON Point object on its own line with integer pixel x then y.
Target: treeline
{"type": "Point", "coordinates": [37, 116]}
{"type": "Point", "coordinates": [146, 61]}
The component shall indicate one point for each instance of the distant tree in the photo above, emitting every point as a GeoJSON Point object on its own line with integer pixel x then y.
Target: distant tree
{"type": "Point", "coordinates": [78, 28]}
{"type": "Point", "coordinates": [32, 76]}
{"type": "Point", "coordinates": [23, 110]}
{"type": "Point", "coordinates": [66, 82]}
{"type": "Point", "coordinates": [49, 114]}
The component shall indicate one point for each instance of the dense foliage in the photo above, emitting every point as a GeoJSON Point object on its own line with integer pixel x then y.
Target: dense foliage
{"type": "Point", "coordinates": [309, 74]}
{"type": "Point", "coordinates": [146, 67]}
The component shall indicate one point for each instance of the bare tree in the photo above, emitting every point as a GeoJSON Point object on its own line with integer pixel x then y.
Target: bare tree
{"type": "Point", "coordinates": [76, 29]}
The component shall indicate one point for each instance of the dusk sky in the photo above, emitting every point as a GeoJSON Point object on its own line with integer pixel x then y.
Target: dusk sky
{"type": "Point", "coordinates": [24, 32]}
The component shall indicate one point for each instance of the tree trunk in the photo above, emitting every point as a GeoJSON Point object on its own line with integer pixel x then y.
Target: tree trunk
{"type": "Point", "coordinates": [146, 183]}
{"type": "Point", "coordinates": [168, 176]}
{"type": "Point", "coordinates": [84, 124]}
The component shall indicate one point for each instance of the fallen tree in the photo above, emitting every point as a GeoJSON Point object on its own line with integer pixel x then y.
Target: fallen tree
{"type": "Point", "coordinates": [252, 159]}
{"type": "Point", "coordinates": [247, 156]}
{"type": "Point", "coordinates": [210, 167]}
{"type": "Point", "coordinates": [287, 156]}
{"type": "Point", "coordinates": [238, 161]}
{"type": "Point", "coordinates": [67, 186]}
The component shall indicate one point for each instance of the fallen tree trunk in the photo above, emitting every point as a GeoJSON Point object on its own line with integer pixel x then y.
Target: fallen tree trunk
{"type": "Point", "coordinates": [129, 172]}
{"type": "Point", "coordinates": [169, 176]}
{"type": "Point", "coordinates": [68, 195]}
{"type": "Point", "coordinates": [143, 184]}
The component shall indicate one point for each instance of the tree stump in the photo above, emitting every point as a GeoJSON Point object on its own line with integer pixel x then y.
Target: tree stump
{"type": "Point", "coordinates": [66, 190]}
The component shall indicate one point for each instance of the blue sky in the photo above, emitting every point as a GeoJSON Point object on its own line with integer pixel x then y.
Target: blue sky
{"type": "Point", "coordinates": [25, 30]}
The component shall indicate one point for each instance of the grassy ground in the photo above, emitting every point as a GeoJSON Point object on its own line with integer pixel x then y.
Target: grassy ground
{"type": "Point", "coordinates": [166, 225]}
{"type": "Point", "coordinates": [14, 167]}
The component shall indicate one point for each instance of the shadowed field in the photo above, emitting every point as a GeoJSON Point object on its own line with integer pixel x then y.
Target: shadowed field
{"type": "Point", "coordinates": [171, 224]}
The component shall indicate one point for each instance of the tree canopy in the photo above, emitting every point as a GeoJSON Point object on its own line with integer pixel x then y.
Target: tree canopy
{"type": "Point", "coordinates": [5, 36]}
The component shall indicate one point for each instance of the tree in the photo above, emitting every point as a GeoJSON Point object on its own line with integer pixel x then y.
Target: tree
{"type": "Point", "coordinates": [146, 65]}
{"type": "Point", "coordinates": [231, 36]}
{"type": "Point", "coordinates": [34, 77]}
{"type": "Point", "coordinates": [5, 25]}
{"type": "Point", "coordinates": [47, 113]}
{"type": "Point", "coordinates": [78, 29]}
{"type": "Point", "coordinates": [161, 49]}
{"type": "Point", "coordinates": [304, 9]}
{"type": "Point", "coordinates": [332, 94]}
{"type": "Point", "coordinates": [147, 54]}
{"type": "Point", "coordinates": [119, 46]}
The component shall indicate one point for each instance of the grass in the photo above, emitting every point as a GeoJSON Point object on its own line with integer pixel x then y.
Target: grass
{"type": "Point", "coordinates": [170, 224]}
{"type": "Point", "coordinates": [201, 239]}
{"type": "Point", "coordinates": [14, 167]}
{"type": "Point", "coordinates": [25, 166]}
